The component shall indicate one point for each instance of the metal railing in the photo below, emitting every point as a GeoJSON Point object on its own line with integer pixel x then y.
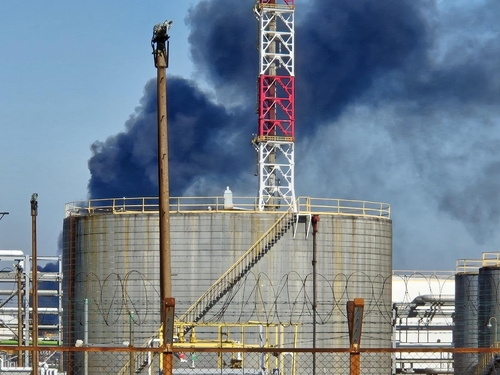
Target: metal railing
{"type": "Point", "coordinates": [277, 6]}
{"type": "Point", "coordinates": [306, 205]}
{"type": "Point", "coordinates": [491, 259]}
{"type": "Point", "coordinates": [223, 284]}
{"type": "Point", "coordinates": [487, 360]}
{"type": "Point", "coordinates": [488, 259]}
{"type": "Point", "coordinates": [468, 265]}
{"type": "Point", "coordinates": [239, 269]}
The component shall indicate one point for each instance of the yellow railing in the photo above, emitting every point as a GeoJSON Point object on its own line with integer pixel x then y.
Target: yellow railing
{"type": "Point", "coordinates": [486, 359]}
{"type": "Point", "coordinates": [491, 259]}
{"type": "Point", "coordinates": [468, 265]}
{"type": "Point", "coordinates": [271, 333]}
{"type": "Point", "coordinates": [488, 259]}
{"type": "Point", "coordinates": [328, 206]}
{"type": "Point", "coordinates": [239, 268]}
{"type": "Point", "coordinates": [305, 205]}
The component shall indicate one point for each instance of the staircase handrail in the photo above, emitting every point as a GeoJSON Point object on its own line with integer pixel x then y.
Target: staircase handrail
{"type": "Point", "coordinates": [126, 368]}
{"type": "Point", "coordinates": [486, 359]}
{"type": "Point", "coordinates": [249, 252]}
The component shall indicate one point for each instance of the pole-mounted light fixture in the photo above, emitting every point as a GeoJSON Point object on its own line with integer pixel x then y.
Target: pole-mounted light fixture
{"type": "Point", "coordinates": [495, 332]}
{"type": "Point", "coordinates": [159, 41]}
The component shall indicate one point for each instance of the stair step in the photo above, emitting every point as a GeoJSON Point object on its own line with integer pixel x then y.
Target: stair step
{"type": "Point", "coordinates": [254, 254]}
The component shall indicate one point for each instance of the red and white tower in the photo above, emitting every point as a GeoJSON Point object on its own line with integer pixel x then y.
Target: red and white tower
{"type": "Point", "coordinates": [274, 140]}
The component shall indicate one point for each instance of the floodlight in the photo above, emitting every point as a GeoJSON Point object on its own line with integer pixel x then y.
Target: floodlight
{"type": "Point", "coordinates": [160, 30]}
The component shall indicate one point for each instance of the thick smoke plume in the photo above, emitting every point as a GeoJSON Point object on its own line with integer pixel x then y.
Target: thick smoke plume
{"type": "Point", "coordinates": [396, 102]}
{"type": "Point", "coordinates": [201, 156]}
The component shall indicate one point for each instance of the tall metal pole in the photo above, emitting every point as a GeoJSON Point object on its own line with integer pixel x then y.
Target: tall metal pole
{"type": "Point", "coordinates": [34, 283]}
{"type": "Point", "coordinates": [159, 42]}
{"type": "Point", "coordinates": [315, 222]}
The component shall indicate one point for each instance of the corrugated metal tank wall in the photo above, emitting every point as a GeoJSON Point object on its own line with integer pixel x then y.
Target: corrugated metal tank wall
{"type": "Point", "coordinates": [465, 333]}
{"type": "Point", "coordinates": [110, 265]}
{"type": "Point", "coordinates": [111, 260]}
{"type": "Point", "coordinates": [489, 305]}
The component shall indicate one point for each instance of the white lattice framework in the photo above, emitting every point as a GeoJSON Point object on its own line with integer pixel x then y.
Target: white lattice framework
{"type": "Point", "coordinates": [270, 38]}
{"type": "Point", "coordinates": [274, 141]}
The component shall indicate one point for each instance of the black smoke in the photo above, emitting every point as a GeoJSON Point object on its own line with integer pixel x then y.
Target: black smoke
{"type": "Point", "coordinates": [396, 101]}
{"type": "Point", "coordinates": [207, 140]}
{"type": "Point", "coordinates": [201, 155]}
{"type": "Point", "coordinates": [346, 45]}
{"type": "Point", "coordinates": [224, 43]}
{"type": "Point", "coordinates": [48, 301]}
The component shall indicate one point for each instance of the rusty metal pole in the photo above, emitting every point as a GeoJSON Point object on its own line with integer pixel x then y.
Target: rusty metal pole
{"type": "Point", "coordinates": [354, 362]}
{"type": "Point", "coordinates": [159, 44]}
{"type": "Point", "coordinates": [34, 282]}
{"type": "Point", "coordinates": [315, 223]}
{"type": "Point", "coordinates": [355, 322]}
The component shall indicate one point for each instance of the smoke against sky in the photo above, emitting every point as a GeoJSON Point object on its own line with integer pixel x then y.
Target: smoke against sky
{"type": "Point", "coordinates": [395, 102]}
{"type": "Point", "coordinates": [202, 145]}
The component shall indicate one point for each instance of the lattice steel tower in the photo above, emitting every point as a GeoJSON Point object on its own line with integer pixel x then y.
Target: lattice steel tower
{"type": "Point", "coordinates": [274, 141]}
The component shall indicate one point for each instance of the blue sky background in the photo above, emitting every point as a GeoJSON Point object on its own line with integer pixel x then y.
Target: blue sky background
{"type": "Point", "coordinates": [71, 73]}
{"type": "Point", "coordinates": [398, 103]}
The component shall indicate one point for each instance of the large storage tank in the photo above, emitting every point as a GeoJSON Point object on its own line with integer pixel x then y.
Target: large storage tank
{"type": "Point", "coordinates": [465, 333]}
{"type": "Point", "coordinates": [111, 260]}
{"type": "Point", "coordinates": [489, 305]}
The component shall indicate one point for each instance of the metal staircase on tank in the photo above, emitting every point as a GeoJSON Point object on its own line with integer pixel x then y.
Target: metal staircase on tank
{"type": "Point", "coordinates": [238, 270]}
{"type": "Point", "coordinates": [223, 285]}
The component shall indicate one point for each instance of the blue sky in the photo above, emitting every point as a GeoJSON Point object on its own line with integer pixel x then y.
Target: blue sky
{"type": "Point", "coordinates": [397, 101]}
{"type": "Point", "coordinates": [71, 73]}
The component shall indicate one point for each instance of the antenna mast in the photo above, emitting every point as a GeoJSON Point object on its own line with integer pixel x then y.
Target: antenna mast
{"type": "Point", "coordinates": [274, 141]}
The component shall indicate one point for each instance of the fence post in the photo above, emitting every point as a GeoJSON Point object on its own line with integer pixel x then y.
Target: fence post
{"type": "Point", "coordinates": [355, 322]}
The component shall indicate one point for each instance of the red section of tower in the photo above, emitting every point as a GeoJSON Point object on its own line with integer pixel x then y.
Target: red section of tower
{"type": "Point", "coordinates": [276, 106]}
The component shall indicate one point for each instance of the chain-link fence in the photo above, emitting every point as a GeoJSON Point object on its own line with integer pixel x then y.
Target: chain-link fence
{"type": "Point", "coordinates": [207, 359]}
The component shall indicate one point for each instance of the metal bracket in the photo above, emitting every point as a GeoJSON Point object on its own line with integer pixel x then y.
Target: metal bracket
{"type": "Point", "coordinates": [302, 218]}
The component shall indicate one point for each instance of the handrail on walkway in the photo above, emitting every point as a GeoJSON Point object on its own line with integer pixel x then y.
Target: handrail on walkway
{"type": "Point", "coordinates": [325, 206]}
